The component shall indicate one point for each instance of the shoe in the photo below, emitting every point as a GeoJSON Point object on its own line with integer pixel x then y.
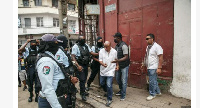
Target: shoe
{"type": "Point", "coordinates": [108, 103]}
{"type": "Point", "coordinates": [150, 97]}
{"type": "Point", "coordinates": [86, 94]}
{"type": "Point", "coordinates": [83, 97]}
{"type": "Point", "coordinates": [24, 88]}
{"type": "Point", "coordinates": [122, 99]}
{"type": "Point", "coordinates": [105, 95]}
{"type": "Point", "coordinates": [118, 93]}
{"type": "Point", "coordinates": [88, 87]}
{"type": "Point", "coordinates": [19, 85]}
{"type": "Point", "coordinates": [159, 94]}
{"type": "Point", "coordinates": [30, 99]}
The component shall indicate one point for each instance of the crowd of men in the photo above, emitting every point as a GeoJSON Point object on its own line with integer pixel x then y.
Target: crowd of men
{"type": "Point", "coordinates": [55, 70]}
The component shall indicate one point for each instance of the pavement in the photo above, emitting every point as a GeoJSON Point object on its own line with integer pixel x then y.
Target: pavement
{"type": "Point", "coordinates": [135, 98]}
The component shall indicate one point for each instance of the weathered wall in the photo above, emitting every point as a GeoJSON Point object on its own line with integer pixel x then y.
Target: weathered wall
{"type": "Point", "coordinates": [181, 84]}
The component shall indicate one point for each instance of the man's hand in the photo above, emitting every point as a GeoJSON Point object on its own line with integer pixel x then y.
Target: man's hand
{"type": "Point", "coordinates": [105, 65]}
{"type": "Point", "coordinates": [74, 80]}
{"type": "Point", "coordinates": [117, 68]}
{"type": "Point", "coordinates": [158, 71]}
{"type": "Point", "coordinates": [28, 40]}
{"type": "Point", "coordinates": [80, 68]}
{"type": "Point", "coordinates": [114, 61]}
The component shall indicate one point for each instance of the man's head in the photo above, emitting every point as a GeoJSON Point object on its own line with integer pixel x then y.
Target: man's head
{"type": "Point", "coordinates": [99, 41]}
{"type": "Point", "coordinates": [117, 37]}
{"type": "Point", "coordinates": [62, 41]}
{"type": "Point", "coordinates": [107, 46]}
{"type": "Point", "coordinates": [48, 43]}
{"type": "Point", "coordinates": [150, 39]}
{"type": "Point", "coordinates": [81, 40]}
{"type": "Point", "coordinates": [33, 44]}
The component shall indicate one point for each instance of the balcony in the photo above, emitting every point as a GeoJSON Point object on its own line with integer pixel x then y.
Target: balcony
{"type": "Point", "coordinates": [36, 10]}
{"type": "Point", "coordinates": [24, 31]}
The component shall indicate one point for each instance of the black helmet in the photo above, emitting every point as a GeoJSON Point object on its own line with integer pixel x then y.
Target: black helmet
{"type": "Point", "coordinates": [62, 41]}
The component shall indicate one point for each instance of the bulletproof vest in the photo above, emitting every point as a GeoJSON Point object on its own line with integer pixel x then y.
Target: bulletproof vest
{"type": "Point", "coordinates": [84, 55]}
{"type": "Point", "coordinates": [31, 59]}
{"type": "Point", "coordinates": [120, 55]}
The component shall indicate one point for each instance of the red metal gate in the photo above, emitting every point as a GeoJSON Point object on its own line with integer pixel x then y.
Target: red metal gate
{"type": "Point", "coordinates": [134, 19]}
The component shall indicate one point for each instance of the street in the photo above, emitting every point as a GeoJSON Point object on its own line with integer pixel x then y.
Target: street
{"type": "Point", "coordinates": [136, 98]}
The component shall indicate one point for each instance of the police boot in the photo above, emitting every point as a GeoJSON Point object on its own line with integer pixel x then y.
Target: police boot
{"type": "Point", "coordinates": [83, 97]}
{"type": "Point", "coordinates": [36, 97]}
{"type": "Point", "coordinates": [88, 87]}
{"type": "Point", "coordinates": [86, 93]}
{"type": "Point", "coordinates": [30, 98]}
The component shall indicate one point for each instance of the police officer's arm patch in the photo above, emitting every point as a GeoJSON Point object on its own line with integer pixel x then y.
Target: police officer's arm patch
{"type": "Point", "coordinates": [46, 70]}
{"type": "Point", "coordinates": [58, 57]}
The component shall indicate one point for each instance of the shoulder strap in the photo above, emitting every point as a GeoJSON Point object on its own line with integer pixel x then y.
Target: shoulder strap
{"type": "Point", "coordinates": [59, 64]}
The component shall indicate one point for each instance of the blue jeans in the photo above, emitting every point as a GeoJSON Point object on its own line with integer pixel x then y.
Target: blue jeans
{"type": "Point", "coordinates": [106, 84]}
{"type": "Point", "coordinates": [43, 103]}
{"type": "Point", "coordinates": [122, 77]}
{"type": "Point", "coordinates": [153, 83]}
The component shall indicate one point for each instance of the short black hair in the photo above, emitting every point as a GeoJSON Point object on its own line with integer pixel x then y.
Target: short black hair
{"type": "Point", "coordinates": [151, 35]}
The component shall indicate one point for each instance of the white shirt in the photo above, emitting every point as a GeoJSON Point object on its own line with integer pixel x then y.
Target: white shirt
{"type": "Point", "coordinates": [153, 58]}
{"type": "Point", "coordinates": [107, 58]}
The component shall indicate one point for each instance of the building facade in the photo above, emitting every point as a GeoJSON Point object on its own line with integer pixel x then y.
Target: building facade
{"type": "Point", "coordinates": [38, 17]}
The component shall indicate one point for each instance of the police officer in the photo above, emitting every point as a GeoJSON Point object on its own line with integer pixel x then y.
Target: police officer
{"type": "Point", "coordinates": [31, 56]}
{"type": "Point", "coordinates": [81, 57]}
{"type": "Point", "coordinates": [49, 73]}
{"type": "Point", "coordinates": [95, 66]}
{"type": "Point", "coordinates": [63, 56]}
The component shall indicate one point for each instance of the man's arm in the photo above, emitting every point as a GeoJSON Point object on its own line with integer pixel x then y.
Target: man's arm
{"type": "Point", "coordinates": [160, 63]}
{"type": "Point", "coordinates": [125, 53]}
{"type": "Point", "coordinates": [23, 46]}
{"type": "Point", "coordinates": [76, 63]}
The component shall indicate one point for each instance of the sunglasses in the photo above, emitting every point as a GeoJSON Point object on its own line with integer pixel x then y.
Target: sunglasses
{"type": "Point", "coordinates": [148, 38]}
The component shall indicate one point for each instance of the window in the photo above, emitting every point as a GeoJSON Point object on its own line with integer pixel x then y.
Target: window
{"type": "Point", "coordinates": [71, 7]}
{"type": "Point", "coordinates": [27, 22]}
{"type": "Point", "coordinates": [39, 21]}
{"type": "Point", "coordinates": [38, 2]}
{"type": "Point", "coordinates": [26, 2]}
{"type": "Point", "coordinates": [55, 22]}
{"type": "Point", "coordinates": [54, 3]}
{"type": "Point", "coordinates": [72, 26]}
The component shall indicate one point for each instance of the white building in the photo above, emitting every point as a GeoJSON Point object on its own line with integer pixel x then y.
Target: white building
{"type": "Point", "coordinates": [38, 17]}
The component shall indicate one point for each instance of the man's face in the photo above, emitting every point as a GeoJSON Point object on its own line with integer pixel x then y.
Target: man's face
{"type": "Point", "coordinates": [107, 47]}
{"type": "Point", "coordinates": [149, 40]}
{"type": "Point", "coordinates": [116, 39]}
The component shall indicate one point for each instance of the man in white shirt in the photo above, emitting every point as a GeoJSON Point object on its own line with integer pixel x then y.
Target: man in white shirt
{"type": "Point", "coordinates": [153, 62]}
{"type": "Point", "coordinates": [107, 69]}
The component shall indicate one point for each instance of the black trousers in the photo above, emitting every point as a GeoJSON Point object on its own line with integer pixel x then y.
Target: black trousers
{"type": "Point", "coordinates": [95, 67]}
{"type": "Point", "coordinates": [82, 77]}
{"type": "Point", "coordinates": [31, 78]}
{"type": "Point", "coordinates": [19, 80]}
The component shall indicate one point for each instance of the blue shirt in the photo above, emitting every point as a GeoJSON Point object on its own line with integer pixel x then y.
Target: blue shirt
{"type": "Point", "coordinates": [76, 51]}
{"type": "Point", "coordinates": [61, 57]}
{"type": "Point", "coordinates": [49, 74]}
{"type": "Point", "coordinates": [93, 49]}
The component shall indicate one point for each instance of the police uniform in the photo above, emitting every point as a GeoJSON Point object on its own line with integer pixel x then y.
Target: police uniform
{"type": "Point", "coordinates": [82, 75]}
{"type": "Point", "coordinates": [49, 74]}
{"type": "Point", "coordinates": [95, 66]}
{"type": "Point", "coordinates": [61, 57]}
{"type": "Point", "coordinates": [31, 71]}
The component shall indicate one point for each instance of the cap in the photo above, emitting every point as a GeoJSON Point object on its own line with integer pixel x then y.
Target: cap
{"type": "Point", "coordinates": [49, 37]}
{"type": "Point", "coordinates": [98, 38]}
{"type": "Point", "coordinates": [118, 34]}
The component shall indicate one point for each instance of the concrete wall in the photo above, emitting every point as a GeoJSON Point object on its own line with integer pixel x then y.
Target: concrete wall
{"type": "Point", "coordinates": [181, 84]}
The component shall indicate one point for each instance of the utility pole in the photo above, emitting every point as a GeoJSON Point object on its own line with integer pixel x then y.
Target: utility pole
{"type": "Point", "coordinates": [62, 8]}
